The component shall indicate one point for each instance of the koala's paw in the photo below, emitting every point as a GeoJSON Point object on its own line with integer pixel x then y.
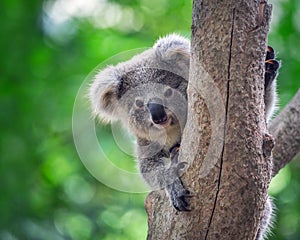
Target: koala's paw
{"type": "Point", "coordinates": [271, 66]}
{"type": "Point", "coordinates": [177, 192]}
{"type": "Point", "coordinates": [179, 167]}
{"type": "Point", "coordinates": [179, 196]}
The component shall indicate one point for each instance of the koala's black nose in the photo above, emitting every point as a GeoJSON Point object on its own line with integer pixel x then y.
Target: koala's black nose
{"type": "Point", "coordinates": [157, 110]}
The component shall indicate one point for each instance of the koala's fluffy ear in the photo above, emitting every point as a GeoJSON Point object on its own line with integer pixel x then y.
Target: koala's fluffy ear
{"type": "Point", "coordinates": [104, 94]}
{"type": "Point", "coordinates": [174, 51]}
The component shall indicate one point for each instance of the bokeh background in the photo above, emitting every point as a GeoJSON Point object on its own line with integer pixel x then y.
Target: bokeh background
{"type": "Point", "coordinates": [47, 50]}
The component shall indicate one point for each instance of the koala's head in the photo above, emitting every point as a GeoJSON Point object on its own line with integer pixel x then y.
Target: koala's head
{"type": "Point", "coordinates": [148, 92]}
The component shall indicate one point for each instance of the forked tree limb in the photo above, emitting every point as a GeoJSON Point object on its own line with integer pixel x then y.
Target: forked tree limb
{"type": "Point", "coordinates": [285, 129]}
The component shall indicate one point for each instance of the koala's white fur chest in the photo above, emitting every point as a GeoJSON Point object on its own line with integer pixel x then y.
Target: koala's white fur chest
{"type": "Point", "coordinates": [170, 137]}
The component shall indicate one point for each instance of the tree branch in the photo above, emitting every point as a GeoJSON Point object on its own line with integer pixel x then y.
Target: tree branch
{"type": "Point", "coordinates": [285, 129]}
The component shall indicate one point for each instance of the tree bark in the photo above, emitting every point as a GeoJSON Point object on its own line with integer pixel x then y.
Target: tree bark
{"type": "Point", "coordinates": [285, 129]}
{"type": "Point", "coordinates": [225, 140]}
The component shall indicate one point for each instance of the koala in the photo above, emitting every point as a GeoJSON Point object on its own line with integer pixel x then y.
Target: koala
{"type": "Point", "coordinates": [148, 94]}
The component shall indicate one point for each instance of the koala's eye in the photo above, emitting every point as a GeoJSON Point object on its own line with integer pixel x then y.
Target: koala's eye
{"type": "Point", "coordinates": [168, 92]}
{"type": "Point", "coordinates": [139, 103]}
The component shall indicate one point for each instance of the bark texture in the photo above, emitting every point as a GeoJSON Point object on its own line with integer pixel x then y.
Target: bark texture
{"type": "Point", "coordinates": [225, 140]}
{"type": "Point", "coordinates": [285, 129]}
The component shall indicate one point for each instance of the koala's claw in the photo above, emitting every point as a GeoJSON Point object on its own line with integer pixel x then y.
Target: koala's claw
{"type": "Point", "coordinates": [270, 53]}
{"type": "Point", "coordinates": [180, 167]}
{"type": "Point", "coordinates": [271, 66]}
{"type": "Point", "coordinates": [179, 196]}
{"type": "Point", "coordinates": [174, 153]}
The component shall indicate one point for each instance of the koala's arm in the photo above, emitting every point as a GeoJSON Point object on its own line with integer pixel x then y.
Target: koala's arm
{"type": "Point", "coordinates": [161, 173]}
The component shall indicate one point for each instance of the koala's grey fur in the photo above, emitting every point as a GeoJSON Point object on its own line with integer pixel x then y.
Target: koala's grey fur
{"type": "Point", "coordinates": [126, 91]}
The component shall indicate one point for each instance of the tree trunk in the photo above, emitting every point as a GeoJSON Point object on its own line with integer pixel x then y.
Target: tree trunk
{"type": "Point", "coordinates": [225, 140]}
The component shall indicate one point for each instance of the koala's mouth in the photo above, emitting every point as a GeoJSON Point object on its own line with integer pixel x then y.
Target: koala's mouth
{"type": "Point", "coordinates": [164, 122]}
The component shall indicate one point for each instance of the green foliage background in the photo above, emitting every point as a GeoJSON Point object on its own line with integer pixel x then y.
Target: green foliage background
{"type": "Point", "coordinates": [47, 50]}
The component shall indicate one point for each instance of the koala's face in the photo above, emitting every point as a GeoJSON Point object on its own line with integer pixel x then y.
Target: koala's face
{"type": "Point", "coordinates": [153, 103]}
{"type": "Point", "coordinates": [148, 92]}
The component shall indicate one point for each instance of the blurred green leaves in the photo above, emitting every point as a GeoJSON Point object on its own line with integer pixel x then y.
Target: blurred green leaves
{"type": "Point", "coordinates": [47, 50]}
